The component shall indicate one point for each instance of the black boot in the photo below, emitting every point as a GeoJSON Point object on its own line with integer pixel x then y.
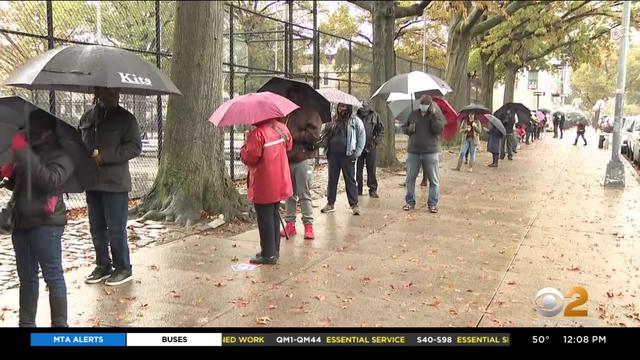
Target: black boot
{"type": "Point", "coordinates": [58, 311]}
{"type": "Point", "coordinates": [28, 308]}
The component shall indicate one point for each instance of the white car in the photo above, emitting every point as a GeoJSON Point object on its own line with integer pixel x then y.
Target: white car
{"type": "Point", "coordinates": [625, 134]}
{"type": "Point", "coordinates": [633, 143]}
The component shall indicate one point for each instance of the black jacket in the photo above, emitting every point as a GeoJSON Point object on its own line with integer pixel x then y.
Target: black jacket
{"type": "Point", "coordinates": [51, 167]}
{"type": "Point", "coordinates": [426, 138]}
{"type": "Point", "coordinates": [373, 127]}
{"type": "Point", "coordinates": [116, 135]}
{"type": "Point", "coordinates": [509, 122]}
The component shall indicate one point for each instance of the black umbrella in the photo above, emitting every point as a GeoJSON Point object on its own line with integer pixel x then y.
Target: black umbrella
{"type": "Point", "coordinates": [523, 112]}
{"type": "Point", "coordinates": [475, 108]}
{"type": "Point", "coordinates": [301, 93]}
{"type": "Point", "coordinates": [81, 68]}
{"type": "Point", "coordinates": [14, 116]}
{"type": "Point", "coordinates": [545, 111]}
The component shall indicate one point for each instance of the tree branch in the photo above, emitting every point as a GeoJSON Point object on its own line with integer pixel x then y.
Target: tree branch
{"type": "Point", "coordinates": [365, 5]}
{"type": "Point", "coordinates": [475, 16]}
{"type": "Point", "coordinates": [267, 6]}
{"type": "Point", "coordinates": [366, 38]}
{"type": "Point", "coordinates": [564, 43]}
{"type": "Point", "coordinates": [574, 9]}
{"type": "Point", "coordinates": [413, 10]}
{"type": "Point", "coordinates": [404, 26]}
{"type": "Point", "coordinates": [497, 19]}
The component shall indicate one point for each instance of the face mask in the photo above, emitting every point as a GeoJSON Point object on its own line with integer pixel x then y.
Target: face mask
{"type": "Point", "coordinates": [424, 108]}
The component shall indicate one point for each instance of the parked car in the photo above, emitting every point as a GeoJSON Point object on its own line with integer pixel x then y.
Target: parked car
{"type": "Point", "coordinates": [625, 135]}
{"type": "Point", "coordinates": [633, 144]}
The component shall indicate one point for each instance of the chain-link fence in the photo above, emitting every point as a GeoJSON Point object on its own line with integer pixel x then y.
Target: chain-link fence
{"type": "Point", "coordinates": [265, 39]}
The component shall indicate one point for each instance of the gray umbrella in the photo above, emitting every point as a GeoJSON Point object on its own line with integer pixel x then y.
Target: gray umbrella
{"type": "Point", "coordinates": [497, 123]}
{"type": "Point", "coordinates": [415, 83]}
{"type": "Point", "coordinates": [81, 68]}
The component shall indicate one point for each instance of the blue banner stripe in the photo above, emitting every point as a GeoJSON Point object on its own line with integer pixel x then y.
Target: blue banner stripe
{"type": "Point", "coordinates": [78, 339]}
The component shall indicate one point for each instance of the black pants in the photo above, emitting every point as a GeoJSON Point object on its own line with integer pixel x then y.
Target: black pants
{"type": "Point", "coordinates": [495, 158]}
{"type": "Point", "coordinates": [555, 129]}
{"type": "Point", "coordinates": [529, 136]}
{"type": "Point", "coordinates": [337, 163]}
{"type": "Point", "coordinates": [368, 159]}
{"type": "Point", "coordinates": [108, 214]}
{"type": "Point", "coordinates": [269, 228]}
{"type": "Point", "coordinates": [578, 136]}
{"type": "Point", "coordinates": [561, 130]}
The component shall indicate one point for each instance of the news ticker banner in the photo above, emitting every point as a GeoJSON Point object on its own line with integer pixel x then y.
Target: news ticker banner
{"type": "Point", "coordinates": [267, 339]}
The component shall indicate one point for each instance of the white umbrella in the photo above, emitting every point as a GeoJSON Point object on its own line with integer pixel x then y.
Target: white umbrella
{"type": "Point", "coordinates": [339, 97]}
{"type": "Point", "coordinates": [415, 82]}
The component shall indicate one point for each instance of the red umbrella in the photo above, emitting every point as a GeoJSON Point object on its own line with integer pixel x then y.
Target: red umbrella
{"type": "Point", "coordinates": [251, 109]}
{"type": "Point", "coordinates": [451, 128]}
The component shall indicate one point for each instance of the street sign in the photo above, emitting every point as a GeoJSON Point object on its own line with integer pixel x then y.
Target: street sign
{"type": "Point", "coordinates": [538, 93]}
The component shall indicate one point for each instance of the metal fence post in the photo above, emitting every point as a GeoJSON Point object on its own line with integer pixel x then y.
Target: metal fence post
{"type": "Point", "coordinates": [350, 64]}
{"type": "Point", "coordinates": [316, 47]}
{"type": "Point", "coordinates": [231, 91]}
{"type": "Point", "coordinates": [50, 45]}
{"type": "Point", "coordinates": [290, 39]}
{"type": "Point", "coordinates": [159, 65]}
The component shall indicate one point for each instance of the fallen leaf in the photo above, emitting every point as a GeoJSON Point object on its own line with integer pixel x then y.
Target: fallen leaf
{"type": "Point", "coordinates": [365, 280]}
{"type": "Point", "coordinates": [325, 266]}
{"type": "Point", "coordinates": [435, 302]}
{"type": "Point", "coordinates": [453, 311]}
{"type": "Point", "coordinates": [235, 258]}
{"type": "Point", "coordinates": [174, 294]}
{"type": "Point", "coordinates": [610, 294]}
{"type": "Point", "coordinates": [288, 295]}
{"type": "Point", "coordinates": [106, 292]}
{"type": "Point", "coordinates": [263, 320]}
{"type": "Point", "coordinates": [271, 307]}
{"type": "Point", "coordinates": [154, 268]}
{"type": "Point", "coordinates": [350, 267]}
{"type": "Point", "coordinates": [219, 284]}
{"type": "Point", "coordinates": [319, 297]}
{"type": "Point", "coordinates": [511, 282]}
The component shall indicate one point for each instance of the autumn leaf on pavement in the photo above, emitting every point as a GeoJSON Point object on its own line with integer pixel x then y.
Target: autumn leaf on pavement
{"type": "Point", "coordinates": [319, 297]}
{"type": "Point", "coordinates": [174, 294]}
{"type": "Point", "coordinates": [272, 306]}
{"type": "Point", "coordinates": [234, 259]}
{"type": "Point", "coordinates": [453, 311]}
{"type": "Point", "coordinates": [511, 282]}
{"type": "Point", "coordinates": [610, 294]}
{"type": "Point", "coordinates": [435, 303]}
{"type": "Point", "coordinates": [154, 268]}
{"type": "Point", "coordinates": [365, 280]}
{"type": "Point", "coordinates": [263, 320]}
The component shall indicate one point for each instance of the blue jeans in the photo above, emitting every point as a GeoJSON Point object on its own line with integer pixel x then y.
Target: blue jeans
{"type": "Point", "coordinates": [468, 145]}
{"type": "Point", "coordinates": [108, 214]}
{"type": "Point", "coordinates": [430, 163]}
{"type": "Point", "coordinates": [41, 246]}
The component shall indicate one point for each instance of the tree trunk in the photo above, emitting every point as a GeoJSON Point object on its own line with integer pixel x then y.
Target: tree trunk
{"type": "Point", "coordinates": [384, 68]}
{"type": "Point", "coordinates": [487, 78]}
{"type": "Point", "coordinates": [192, 175]}
{"type": "Point", "coordinates": [509, 82]}
{"type": "Point", "coordinates": [458, 46]}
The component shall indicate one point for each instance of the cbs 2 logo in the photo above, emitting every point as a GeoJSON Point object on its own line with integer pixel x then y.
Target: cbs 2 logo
{"type": "Point", "coordinates": [550, 302]}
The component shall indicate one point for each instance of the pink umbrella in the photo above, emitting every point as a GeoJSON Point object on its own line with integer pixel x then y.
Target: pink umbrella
{"type": "Point", "coordinates": [251, 109]}
{"type": "Point", "coordinates": [540, 115]}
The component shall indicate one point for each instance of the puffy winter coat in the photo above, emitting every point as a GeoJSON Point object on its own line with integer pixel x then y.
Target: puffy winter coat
{"type": "Point", "coordinates": [265, 153]}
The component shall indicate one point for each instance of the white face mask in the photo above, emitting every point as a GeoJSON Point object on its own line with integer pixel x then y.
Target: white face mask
{"type": "Point", "coordinates": [424, 108]}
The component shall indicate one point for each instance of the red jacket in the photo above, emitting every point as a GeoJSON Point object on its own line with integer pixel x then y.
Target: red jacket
{"type": "Point", "coordinates": [265, 153]}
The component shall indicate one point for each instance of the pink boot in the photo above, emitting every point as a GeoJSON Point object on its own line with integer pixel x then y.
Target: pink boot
{"type": "Point", "coordinates": [308, 232]}
{"type": "Point", "coordinates": [290, 229]}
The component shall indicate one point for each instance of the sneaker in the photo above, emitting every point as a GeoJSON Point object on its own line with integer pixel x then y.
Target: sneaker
{"type": "Point", "coordinates": [355, 209]}
{"type": "Point", "coordinates": [408, 207]}
{"type": "Point", "coordinates": [327, 209]}
{"type": "Point", "coordinates": [259, 254]}
{"type": "Point", "coordinates": [374, 194]}
{"type": "Point", "coordinates": [433, 209]}
{"type": "Point", "coordinates": [98, 275]}
{"type": "Point", "coordinates": [119, 277]}
{"type": "Point", "coordinates": [290, 229]}
{"type": "Point", "coordinates": [308, 232]}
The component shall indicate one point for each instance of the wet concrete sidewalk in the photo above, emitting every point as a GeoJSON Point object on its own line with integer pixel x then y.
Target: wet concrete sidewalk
{"type": "Point", "coordinates": [542, 220]}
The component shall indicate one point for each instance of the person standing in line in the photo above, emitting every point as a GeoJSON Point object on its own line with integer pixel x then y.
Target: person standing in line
{"type": "Point", "coordinates": [374, 128]}
{"type": "Point", "coordinates": [506, 144]}
{"type": "Point", "coordinates": [345, 139]}
{"type": "Point", "coordinates": [112, 136]}
{"type": "Point", "coordinates": [304, 125]}
{"type": "Point", "coordinates": [493, 144]}
{"type": "Point", "coordinates": [269, 182]}
{"type": "Point", "coordinates": [470, 130]}
{"type": "Point", "coordinates": [38, 218]}
{"type": "Point", "coordinates": [424, 128]}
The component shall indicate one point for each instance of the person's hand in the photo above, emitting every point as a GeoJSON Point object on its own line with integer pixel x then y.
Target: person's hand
{"type": "Point", "coordinates": [412, 128]}
{"type": "Point", "coordinates": [95, 155]}
{"type": "Point", "coordinates": [18, 142]}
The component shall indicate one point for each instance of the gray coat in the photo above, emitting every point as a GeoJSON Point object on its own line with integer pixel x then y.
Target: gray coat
{"type": "Point", "coordinates": [116, 135]}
